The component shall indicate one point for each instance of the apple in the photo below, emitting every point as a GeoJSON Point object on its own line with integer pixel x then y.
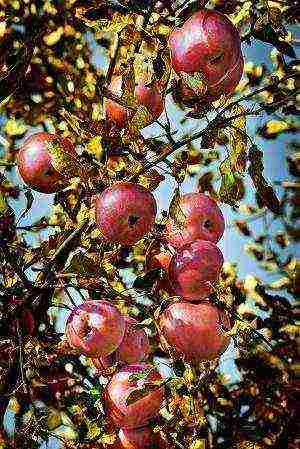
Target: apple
{"type": "Point", "coordinates": [203, 221]}
{"type": "Point", "coordinates": [206, 55]}
{"type": "Point", "coordinates": [35, 165]}
{"type": "Point", "coordinates": [194, 268]}
{"type": "Point", "coordinates": [141, 438]}
{"type": "Point", "coordinates": [145, 95]}
{"type": "Point", "coordinates": [95, 328]}
{"type": "Point", "coordinates": [125, 212]}
{"type": "Point", "coordinates": [196, 332]}
{"type": "Point", "coordinates": [138, 413]}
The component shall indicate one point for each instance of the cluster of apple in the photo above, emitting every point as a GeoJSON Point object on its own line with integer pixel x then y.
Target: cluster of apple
{"type": "Point", "coordinates": [98, 330]}
{"type": "Point", "coordinates": [125, 213]}
{"type": "Point", "coordinates": [206, 56]}
{"type": "Point", "coordinates": [207, 59]}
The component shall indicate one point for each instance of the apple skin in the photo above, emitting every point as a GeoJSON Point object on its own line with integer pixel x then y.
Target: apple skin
{"type": "Point", "coordinates": [145, 95]}
{"type": "Point", "coordinates": [125, 212]}
{"type": "Point", "coordinates": [140, 412]}
{"type": "Point", "coordinates": [34, 162]}
{"type": "Point", "coordinates": [204, 221]}
{"type": "Point", "coordinates": [194, 330]}
{"type": "Point", "coordinates": [193, 268]}
{"type": "Point", "coordinates": [208, 43]}
{"type": "Point", "coordinates": [96, 328]}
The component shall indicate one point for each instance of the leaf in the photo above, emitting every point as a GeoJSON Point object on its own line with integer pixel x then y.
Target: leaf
{"type": "Point", "coordinates": [94, 146]}
{"type": "Point", "coordinates": [151, 179]}
{"type": "Point", "coordinates": [238, 141]}
{"type": "Point", "coordinates": [147, 281]}
{"type": "Point", "coordinates": [66, 164]}
{"type": "Point", "coordinates": [29, 201]}
{"type": "Point", "coordinates": [141, 392]}
{"type": "Point", "coordinates": [92, 18]}
{"type": "Point", "coordinates": [84, 265]}
{"type": "Point", "coordinates": [263, 188]}
{"type": "Point", "coordinates": [15, 127]}
{"type": "Point", "coordinates": [198, 444]}
{"type": "Point", "coordinates": [175, 210]}
{"type": "Point", "coordinates": [141, 118]}
{"type": "Point", "coordinates": [141, 375]}
{"type": "Point", "coordinates": [195, 82]}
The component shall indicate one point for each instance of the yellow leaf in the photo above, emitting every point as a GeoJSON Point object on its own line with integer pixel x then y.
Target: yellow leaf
{"type": "Point", "coordinates": [65, 163]}
{"type": "Point", "coordinates": [198, 444]}
{"type": "Point", "coordinates": [94, 146]}
{"type": "Point", "coordinates": [14, 127]}
{"type": "Point", "coordinates": [274, 127]}
{"type": "Point", "coordinates": [14, 405]}
{"type": "Point", "coordinates": [94, 430]}
{"type": "Point", "coordinates": [108, 438]}
{"type": "Point", "coordinates": [151, 179]}
{"type": "Point", "coordinates": [54, 37]}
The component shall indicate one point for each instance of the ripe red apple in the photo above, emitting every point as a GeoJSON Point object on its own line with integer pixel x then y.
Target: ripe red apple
{"type": "Point", "coordinates": [225, 86]}
{"type": "Point", "coordinates": [135, 344]}
{"type": "Point", "coordinates": [133, 349]}
{"type": "Point", "coordinates": [141, 438]}
{"type": "Point", "coordinates": [125, 212]}
{"type": "Point", "coordinates": [96, 328]}
{"type": "Point", "coordinates": [195, 331]}
{"type": "Point", "coordinates": [203, 221]}
{"type": "Point", "coordinates": [193, 269]}
{"type": "Point", "coordinates": [145, 95]}
{"type": "Point", "coordinates": [207, 47]}
{"type": "Point", "coordinates": [34, 162]}
{"type": "Point", "coordinates": [121, 386]}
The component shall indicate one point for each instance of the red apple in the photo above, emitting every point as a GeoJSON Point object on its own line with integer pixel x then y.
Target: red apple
{"type": "Point", "coordinates": [225, 86]}
{"type": "Point", "coordinates": [203, 221]}
{"type": "Point", "coordinates": [133, 349]}
{"type": "Point", "coordinates": [194, 268]}
{"type": "Point", "coordinates": [135, 345]}
{"type": "Point", "coordinates": [145, 95]}
{"type": "Point", "coordinates": [207, 47]}
{"type": "Point", "coordinates": [141, 438]}
{"type": "Point", "coordinates": [156, 257]}
{"type": "Point", "coordinates": [138, 413]}
{"type": "Point", "coordinates": [35, 165]}
{"type": "Point", "coordinates": [125, 212]}
{"type": "Point", "coordinates": [96, 328]}
{"type": "Point", "coordinates": [195, 331]}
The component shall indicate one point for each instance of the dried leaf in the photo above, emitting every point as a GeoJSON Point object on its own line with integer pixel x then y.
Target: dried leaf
{"type": "Point", "coordinates": [238, 141]}
{"type": "Point", "coordinates": [175, 210]}
{"type": "Point", "coordinates": [65, 163]}
{"type": "Point", "coordinates": [151, 179]}
{"type": "Point", "coordinates": [141, 118]}
{"type": "Point", "coordinates": [29, 201]}
{"type": "Point", "coordinates": [263, 188]}
{"type": "Point", "coordinates": [141, 392]}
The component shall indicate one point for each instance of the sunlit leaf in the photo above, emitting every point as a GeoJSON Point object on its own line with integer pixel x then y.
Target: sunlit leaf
{"type": "Point", "coordinates": [175, 210]}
